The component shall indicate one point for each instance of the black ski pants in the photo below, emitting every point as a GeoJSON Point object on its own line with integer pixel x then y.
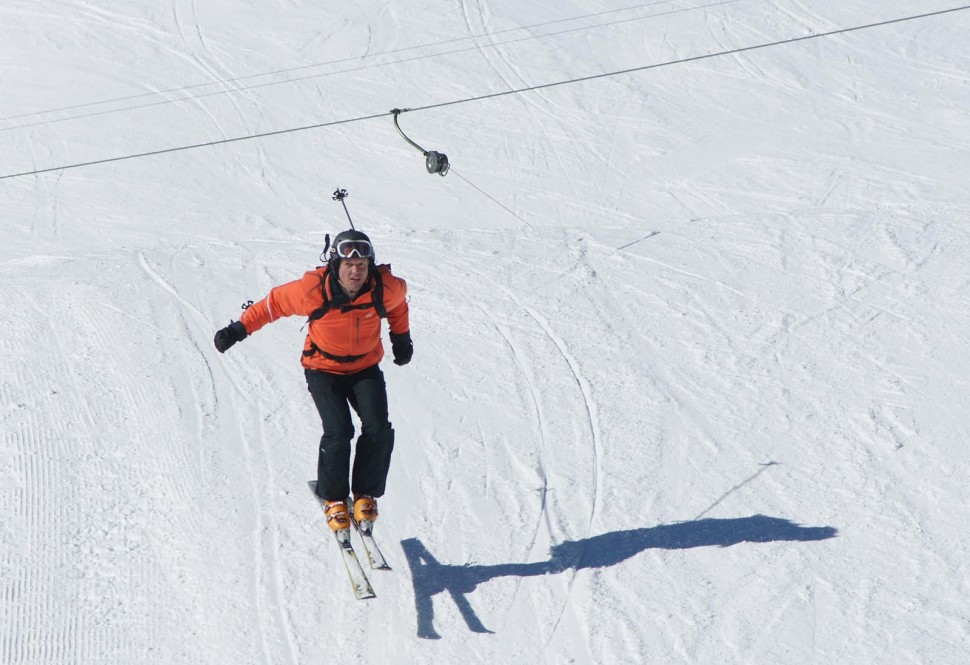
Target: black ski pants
{"type": "Point", "coordinates": [334, 396]}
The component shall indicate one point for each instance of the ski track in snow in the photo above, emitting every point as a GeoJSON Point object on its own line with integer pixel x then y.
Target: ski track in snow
{"type": "Point", "coordinates": [267, 576]}
{"type": "Point", "coordinates": [218, 71]}
{"type": "Point", "coordinates": [518, 356]}
{"type": "Point", "coordinates": [587, 408]}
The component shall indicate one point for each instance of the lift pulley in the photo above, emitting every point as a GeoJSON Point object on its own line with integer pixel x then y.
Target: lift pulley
{"type": "Point", "coordinates": [435, 162]}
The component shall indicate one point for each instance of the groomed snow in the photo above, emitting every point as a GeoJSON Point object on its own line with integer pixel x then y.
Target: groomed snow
{"type": "Point", "coordinates": [691, 344]}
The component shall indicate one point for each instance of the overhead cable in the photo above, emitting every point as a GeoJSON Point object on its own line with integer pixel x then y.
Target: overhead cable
{"type": "Point", "coordinates": [494, 95]}
{"type": "Point", "coordinates": [365, 56]}
{"type": "Point", "coordinates": [308, 77]}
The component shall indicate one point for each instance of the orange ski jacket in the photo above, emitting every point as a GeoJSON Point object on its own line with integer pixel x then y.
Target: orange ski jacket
{"type": "Point", "coordinates": [347, 338]}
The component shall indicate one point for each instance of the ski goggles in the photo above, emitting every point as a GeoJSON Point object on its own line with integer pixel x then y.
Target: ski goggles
{"type": "Point", "coordinates": [348, 249]}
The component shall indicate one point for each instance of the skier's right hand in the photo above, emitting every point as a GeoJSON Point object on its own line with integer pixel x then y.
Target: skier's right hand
{"type": "Point", "coordinates": [234, 332]}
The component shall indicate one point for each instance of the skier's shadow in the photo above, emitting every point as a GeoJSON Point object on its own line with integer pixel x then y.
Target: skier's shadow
{"type": "Point", "coordinates": [432, 578]}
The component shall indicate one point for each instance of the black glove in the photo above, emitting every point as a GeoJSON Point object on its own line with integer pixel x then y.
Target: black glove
{"type": "Point", "coordinates": [402, 347]}
{"type": "Point", "coordinates": [234, 332]}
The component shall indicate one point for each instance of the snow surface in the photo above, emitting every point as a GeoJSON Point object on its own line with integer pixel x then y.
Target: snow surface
{"type": "Point", "coordinates": [691, 348]}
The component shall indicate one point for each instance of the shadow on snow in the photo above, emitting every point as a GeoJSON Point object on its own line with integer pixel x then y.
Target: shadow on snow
{"type": "Point", "coordinates": [432, 578]}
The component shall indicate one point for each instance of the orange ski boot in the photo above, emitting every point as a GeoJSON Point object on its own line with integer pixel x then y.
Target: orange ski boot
{"type": "Point", "coordinates": [365, 511]}
{"type": "Point", "coordinates": [338, 517]}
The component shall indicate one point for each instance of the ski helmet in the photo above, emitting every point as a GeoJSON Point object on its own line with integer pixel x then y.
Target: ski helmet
{"type": "Point", "coordinates": [350, 244]}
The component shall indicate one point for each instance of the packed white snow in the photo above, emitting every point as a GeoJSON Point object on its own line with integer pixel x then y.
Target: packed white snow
{"type": "Point", "coordinates": [691, 343]}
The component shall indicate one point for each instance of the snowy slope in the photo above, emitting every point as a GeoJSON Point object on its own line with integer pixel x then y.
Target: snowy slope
{"type": "Point", "coordinates": [691, 353]}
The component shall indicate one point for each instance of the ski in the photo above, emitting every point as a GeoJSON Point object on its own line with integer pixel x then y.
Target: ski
{"type": "Point", "coordinates": [374, 555]}
{"type": "Point", "coordinates": [355, 571]}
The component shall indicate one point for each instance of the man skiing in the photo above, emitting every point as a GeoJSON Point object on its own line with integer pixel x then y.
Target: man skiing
{"type": "Point", "coordinates": [344, 301]}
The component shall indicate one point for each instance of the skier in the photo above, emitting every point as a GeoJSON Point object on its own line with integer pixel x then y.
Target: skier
{"type": "Point", "coordinates": [345, 301]}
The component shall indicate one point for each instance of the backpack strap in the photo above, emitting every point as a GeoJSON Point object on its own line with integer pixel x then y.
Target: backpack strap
{"type": "Point", "coordinates": [377, 302]}
{"type": "Point", "coordinates": [320, 311]}
{"type": "Point", "coordinates": [314, 349]}
{"type": "Point", "coordinates": [378, 295]}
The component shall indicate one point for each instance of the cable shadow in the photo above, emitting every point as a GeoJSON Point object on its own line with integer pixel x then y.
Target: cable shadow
{"type": "Point", "coordinates": [430, 577]}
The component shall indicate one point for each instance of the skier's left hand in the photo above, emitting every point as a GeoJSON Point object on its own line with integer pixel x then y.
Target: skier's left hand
{"type": "Point", "coordinates": [402, 347]}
